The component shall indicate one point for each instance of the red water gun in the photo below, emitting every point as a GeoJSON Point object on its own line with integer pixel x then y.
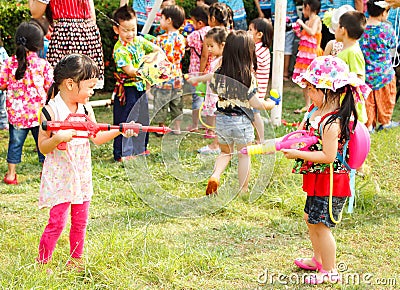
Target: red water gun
{"type": "Point", "coordinates": [81, 122]}
{"type": "Point", "coordinates": [300, 140]}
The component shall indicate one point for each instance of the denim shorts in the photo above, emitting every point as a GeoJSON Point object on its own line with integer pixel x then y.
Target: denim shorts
{"type": "Point", "coordinates": [16, 143]}
{"type": "Point", "coordinates": [317, 208]}
{"type": "Point", "coordinates": [234, 129]}
{"type": "Point", "coordinates": [289, 40]}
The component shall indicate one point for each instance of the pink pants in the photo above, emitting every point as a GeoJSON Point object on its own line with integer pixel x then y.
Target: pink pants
{"type": "Point", "coordinates": [56, 224]}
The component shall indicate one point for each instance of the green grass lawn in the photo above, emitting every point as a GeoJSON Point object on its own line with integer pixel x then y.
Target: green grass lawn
{"type": "Point", "coordinates": [231, 244]}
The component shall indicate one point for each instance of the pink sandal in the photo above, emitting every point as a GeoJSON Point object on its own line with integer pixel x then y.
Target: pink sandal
{"type": "Point", "coordinates": [299, 263]}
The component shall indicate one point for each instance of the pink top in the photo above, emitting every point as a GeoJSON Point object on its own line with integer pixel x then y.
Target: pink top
{"type": "Point", "coordinates": [26, 96]}
{"type": "Point", "coordinates": [195, 42]}
{"type": "Point", "coordinates": [70, 9]}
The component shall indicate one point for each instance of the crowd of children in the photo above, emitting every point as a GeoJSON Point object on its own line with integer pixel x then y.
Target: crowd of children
{"type": "Point", "coordinates": [235, 65]}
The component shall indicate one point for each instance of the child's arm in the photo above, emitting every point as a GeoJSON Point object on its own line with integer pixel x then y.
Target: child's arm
{"type": "Point", "coordinates": [130, 70]}
{"type": "Point", "coordinates": [200, 79]}
{"type": "Point", "coordinates": [105, 136]}
{"type": "Point", "coordinates": [203, 58]}
{"type": "Point", "coordinates": [328, 47]}
{"type": "Point", "coordinates": [37, 8]}
{"type": "Point", "coordinates": [329, 147]}
{"type": "Point", "coordinates": [260, 104]}
{"type": "Point", "coordinates": [48, 142]}
{"type": "Point", "coordinates": [313, 29]}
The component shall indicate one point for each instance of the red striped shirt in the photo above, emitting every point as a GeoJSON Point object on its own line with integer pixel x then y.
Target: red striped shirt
{"type": "Point", "coordinates": [263, 68]}
{"type": "Point", "coordinates": [70, 9]}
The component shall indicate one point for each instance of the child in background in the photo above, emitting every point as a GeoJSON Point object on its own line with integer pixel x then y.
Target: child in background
{"type": "Point", "coordinates": [219, 14]}
{"type": "Point", "coordinates": [263, 8]}
{"type": "Point", "coordinates": [3, 112]}
{"type": "Point", "coordinates": [376, 43]}
{"type": "Point", "coordinates": [291, 18]}
{"type": "Point", "coordinates": [67, 174]}
{"type": "Point", "coordinates": [215, 41]}
{"type": "Point", "coordinates": [236, 87]}
{"type": "Point", "coordinates": [331, 19]}
{"type": "Point", "coordinates": [333, 91]}
{"type": "Point", "coordinates": [261, 30]}
{"type": "Point", "coordinates": [351, 27]}
{"type": "Point", "coordinates": [309, 45]}
{"type": "Point", "coordinates": [27, 79]}
{"type": "Point", "coordinates": [129, 51]}
{"type": "Point", "coordinates": [199, 16]}
{"type": "Point", "coordinates": [169, 94]}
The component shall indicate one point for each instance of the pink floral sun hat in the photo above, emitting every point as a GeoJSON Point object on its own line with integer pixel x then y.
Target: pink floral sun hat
{"type": "Point", "coordinates": [330, 72]}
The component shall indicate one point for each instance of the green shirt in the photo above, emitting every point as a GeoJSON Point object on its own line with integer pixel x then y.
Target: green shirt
{"type": "Point", "coordinates": [131, 54]}
{"type": "Point", "coordinates": [354, 58]}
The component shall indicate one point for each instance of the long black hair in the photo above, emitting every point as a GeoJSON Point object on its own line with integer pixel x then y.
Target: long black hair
{"type": "Point", "coordinates": [347, 111]}
{"type": "Point", "coordinates": [238, 64]}
{"type": "Point", "coordinates": [28, 37]}
{"type": "Point", "coordinates": [77, 67]}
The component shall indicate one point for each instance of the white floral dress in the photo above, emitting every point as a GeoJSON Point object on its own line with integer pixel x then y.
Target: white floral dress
{"type": "Point", "coordinates": [66, 175]}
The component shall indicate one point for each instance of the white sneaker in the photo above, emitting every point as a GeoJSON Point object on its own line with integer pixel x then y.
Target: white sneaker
{"type": "Point", "coordinates": [206, 150]}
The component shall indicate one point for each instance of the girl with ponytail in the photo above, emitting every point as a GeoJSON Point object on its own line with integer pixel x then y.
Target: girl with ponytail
{"type": "Point", "coordinates": [27, 78]}
{"type": "Point", "coordinates": [336, 95]}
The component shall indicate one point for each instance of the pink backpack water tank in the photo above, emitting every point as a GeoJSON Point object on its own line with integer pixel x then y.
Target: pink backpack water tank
{"type": "Point", "coordinates": [357, 147]}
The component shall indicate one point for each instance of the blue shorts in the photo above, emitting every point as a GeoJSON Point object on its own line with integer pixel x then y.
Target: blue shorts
{"type": "Point", "coordinates": [234, 129]}
{"type": "Point", "coordinates": [317, 208]}
{"type": "Point", "coordinates": [16, 143]}
{"type": "Point", "coordinates": [289, 39]}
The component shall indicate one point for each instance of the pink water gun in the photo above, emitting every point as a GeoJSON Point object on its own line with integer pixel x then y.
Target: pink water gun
{"type": "Point", "coordinates": [300, 140]}
{"type": "Point", "coordinates": [81, 122]}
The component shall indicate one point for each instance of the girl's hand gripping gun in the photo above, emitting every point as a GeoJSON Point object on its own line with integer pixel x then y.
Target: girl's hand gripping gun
{"type": "Point", "coordinates": [81, 122]}
{"type": "Point", "coordinates": [300, 140]}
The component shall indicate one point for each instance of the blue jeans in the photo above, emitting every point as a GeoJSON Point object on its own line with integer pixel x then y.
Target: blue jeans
{"type": "Point", "coordinates": [3, 113]}
{"type": "Point", "coordinates": [136, 109]}
{"type": "Point", "coordinates": [16, 142]}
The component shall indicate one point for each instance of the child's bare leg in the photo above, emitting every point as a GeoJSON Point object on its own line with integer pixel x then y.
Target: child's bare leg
{"type": "Point", "coordinates": [195, 119]}
{"type": "Point", "coordinates": [222, 160]}
{"type": "Point", "coordinates": [11, 171]}
{"type": "Point", "coordinates": [210, 121]}
{"type": "Point", "coordinates": [323, 244]}
{"type": "Point", "coordinates": [286, 63]}
{"type": "Point", "coordinates": [259, 125]}
{"type": "Point", "coordinates": [243, 169]}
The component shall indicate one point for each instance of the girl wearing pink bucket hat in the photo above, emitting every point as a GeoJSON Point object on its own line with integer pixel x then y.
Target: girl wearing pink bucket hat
{"type": "Point", "coordinates": [335, 94]}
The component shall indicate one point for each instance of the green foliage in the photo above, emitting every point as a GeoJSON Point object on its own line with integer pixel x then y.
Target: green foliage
{"type": "Point", "coordinates": [11, 14]}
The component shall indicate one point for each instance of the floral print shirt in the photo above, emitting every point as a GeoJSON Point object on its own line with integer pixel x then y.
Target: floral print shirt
{"type": "Point", "coordinates": [376, 43]}
{"type": "Point", "coordinates": [195, 42]}
{"type": "Point", "coordinates": [173, 44]}
{"type": "Point", "coordinates": [302, 166]}
{"type": "Point", "coordinates": [26, 96]}
{"type": "Point", "coordinates": [131, 54]}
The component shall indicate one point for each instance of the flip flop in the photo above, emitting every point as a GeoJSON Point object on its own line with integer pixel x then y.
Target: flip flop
{"type": "Point", "coordinates": [299, 263]}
